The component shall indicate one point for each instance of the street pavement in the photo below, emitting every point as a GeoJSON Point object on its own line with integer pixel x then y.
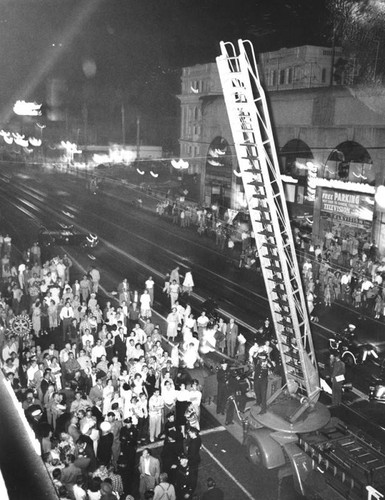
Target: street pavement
{"type": "Point", "coordinates": [331, 319]}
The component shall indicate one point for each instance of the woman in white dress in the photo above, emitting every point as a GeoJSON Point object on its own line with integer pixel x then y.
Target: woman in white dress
{"type": "Point", "coordinates": [145, 304]}
{"type": "Point", "coordinates": [188, 283]}
{"type": "Point", "coordinates": [36, 317]}
{"type": "Point", "coordinates": [172, 324]}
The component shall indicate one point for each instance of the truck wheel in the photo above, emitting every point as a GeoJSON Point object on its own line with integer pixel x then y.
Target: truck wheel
{"type": "Point", "coordinates": [253, 451]}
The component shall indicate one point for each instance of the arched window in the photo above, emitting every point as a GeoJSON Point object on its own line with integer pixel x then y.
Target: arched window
{"type": "Point", "coordinates": [293, 156]}
{"type": "Point", "coordinates": [351, 162]}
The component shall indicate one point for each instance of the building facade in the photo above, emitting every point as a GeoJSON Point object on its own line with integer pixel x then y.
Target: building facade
{"type": "Point", "coordinates": [330, 140]}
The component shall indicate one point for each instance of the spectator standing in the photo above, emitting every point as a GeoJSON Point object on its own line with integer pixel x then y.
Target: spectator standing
{"type": "Point", "coordinates": [155, 411]}
{"type": "Point", "coordinates": [95, 279]}
{"type": "Point", "coordinates": [66, 315]}
{"type": "Point", "coordinates": [174, 275]}
{"type": "Point", "coordinates": [164, 490]}
{"type": "Point", "coordinates": [188, 283]}
{"type": "Point", "coordinates": [174, 292]}
{"type": "Point", "coordinates": [172, 324]}
{"type": "Point", "coordinates": [149, 469]}
{"type": "Point", "coordinates": [149, 284]}
{"type": "Point", "coordinates": [231, 337]}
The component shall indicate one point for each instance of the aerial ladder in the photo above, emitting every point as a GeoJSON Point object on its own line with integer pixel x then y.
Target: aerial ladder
{"type": "Point", "coordinates": [297, 431]}
{"type": "Point", "coordinates": [265, 195]}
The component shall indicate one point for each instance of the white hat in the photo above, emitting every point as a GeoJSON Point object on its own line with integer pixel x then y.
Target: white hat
{"type": "Point", "coordinates": [352, 326]}
{"type": "Point", "coordinates": [105, 426]}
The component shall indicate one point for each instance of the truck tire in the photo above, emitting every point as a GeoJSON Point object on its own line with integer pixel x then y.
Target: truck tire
{"type": "Point", "coordinates": [253, 451]}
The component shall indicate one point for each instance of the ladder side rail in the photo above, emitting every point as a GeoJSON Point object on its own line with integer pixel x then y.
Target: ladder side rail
{"type": "Point", "coordinates": [246, 47]}
{"type": "Point", "coordinates": [264, 117]}
{"type": "Point", "coordinates": [267, 167]}
{"type": "Point", "coordinates": [268, 278]}
{"type": "Point", "coordinates": [256, 229]}
{"type": "Point", "coordinates": [262, 154]}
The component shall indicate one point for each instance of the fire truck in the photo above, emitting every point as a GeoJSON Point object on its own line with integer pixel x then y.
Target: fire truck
{"type": "Point", "coordinates": [326, 458]}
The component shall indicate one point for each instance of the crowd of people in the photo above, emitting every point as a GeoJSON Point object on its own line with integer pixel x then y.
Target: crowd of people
{"type": "Point", "coordinates": [98, 381]}
{"type": "Point", "coordinates": [344, 267]}
{"type": "Point", "coordinates": [101, 383]}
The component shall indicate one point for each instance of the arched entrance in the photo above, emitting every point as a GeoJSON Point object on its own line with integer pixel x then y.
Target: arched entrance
{"type": "Point", "coordinates": [350, 161]}
{"type": "Point", "coordinates": [219, 168]}
{"type": "Point", "coordinates": [294, 155]}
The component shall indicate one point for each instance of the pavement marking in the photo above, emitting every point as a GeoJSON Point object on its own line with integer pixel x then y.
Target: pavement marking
{"type": "Point", "coordinates": [234, 479]}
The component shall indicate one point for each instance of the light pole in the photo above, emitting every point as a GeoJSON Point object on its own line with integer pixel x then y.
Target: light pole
{"type": "Point", "coordinates": [41, 128]}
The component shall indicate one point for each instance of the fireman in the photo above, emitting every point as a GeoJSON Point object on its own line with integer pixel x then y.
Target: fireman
{"type": "Point", "coordinates": [262, 365]}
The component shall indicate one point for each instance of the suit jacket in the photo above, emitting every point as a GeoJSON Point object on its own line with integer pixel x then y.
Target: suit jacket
{"type": "Point", "coordinates": [232, 330]}
{"type": "Point", "coordinates": [120, 345]}
{"type": "Point", "coordinates": [95, 393]}
{"type": "Point", "coordinates": [154, 467]}
{"type": "Point", "coordinates": [70, 474]}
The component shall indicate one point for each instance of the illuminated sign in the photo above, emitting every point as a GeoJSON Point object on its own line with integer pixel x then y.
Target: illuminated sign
{"type": "Point", "coordinates": [347, 204]}
{"type": "Point", "coordinates": [23, 108]}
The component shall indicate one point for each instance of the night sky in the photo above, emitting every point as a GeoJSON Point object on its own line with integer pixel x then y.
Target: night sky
{"type": "Point", "coordinates": [135, 48]}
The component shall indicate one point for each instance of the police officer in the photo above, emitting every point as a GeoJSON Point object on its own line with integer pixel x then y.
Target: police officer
{"type": "Point", "coordinates": [183, 480]}
{"type": "Point", "coordinates": [172, 445]}
{"type": "Point", "coordinates": [129, 444]}
{"type": "Point", "coordinates": [222, 394]}
{"type": "Point", "coordinates": [262, 365]}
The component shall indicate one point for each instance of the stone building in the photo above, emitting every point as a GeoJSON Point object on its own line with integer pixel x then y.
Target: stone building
{"type": "Point", "coordinates": [330, 140]}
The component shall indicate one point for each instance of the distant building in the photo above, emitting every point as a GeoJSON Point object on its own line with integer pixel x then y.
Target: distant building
{"type": "Point", "coordinates": [307, 66]}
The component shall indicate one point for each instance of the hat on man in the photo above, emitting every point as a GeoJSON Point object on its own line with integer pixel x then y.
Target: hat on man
{"type": "Point", "coordinates": [105, 426]}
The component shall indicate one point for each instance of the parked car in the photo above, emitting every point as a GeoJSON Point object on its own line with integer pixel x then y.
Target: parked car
{"type": "Point", "coordinates": [64, 234]}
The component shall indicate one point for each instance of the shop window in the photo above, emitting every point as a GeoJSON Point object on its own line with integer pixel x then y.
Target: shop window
{"type": "Point", "coordinates": [323, 75]}
{"type": "Point", "coordinates": [274, 78]}
{"type": "Point", "coordinates": [290, 75]}
{"type": "Point", "coordinates": [282, 77]}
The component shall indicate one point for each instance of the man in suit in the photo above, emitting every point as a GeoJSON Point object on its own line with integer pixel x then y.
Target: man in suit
{"type": "Point", "coordinates": [149, 469]}
{"type": "Point", "coordinates": [96, 391]}
{"type": "Point", "coordinates": [231, 337]}
{"type": "Point", "coordinates": [120, 346]}
{"type": "Point", "coordinates": [70, 473]}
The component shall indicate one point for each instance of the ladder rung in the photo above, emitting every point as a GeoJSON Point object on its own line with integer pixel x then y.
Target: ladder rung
{"type": "Point", "coordinates": [266, 232]}
{"type": "Point", "coordinates": [256, 183]}
{"type": "Point", "coordinates": [281, 302]}
{"type": "Point", "coordinates": [274, 269]}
